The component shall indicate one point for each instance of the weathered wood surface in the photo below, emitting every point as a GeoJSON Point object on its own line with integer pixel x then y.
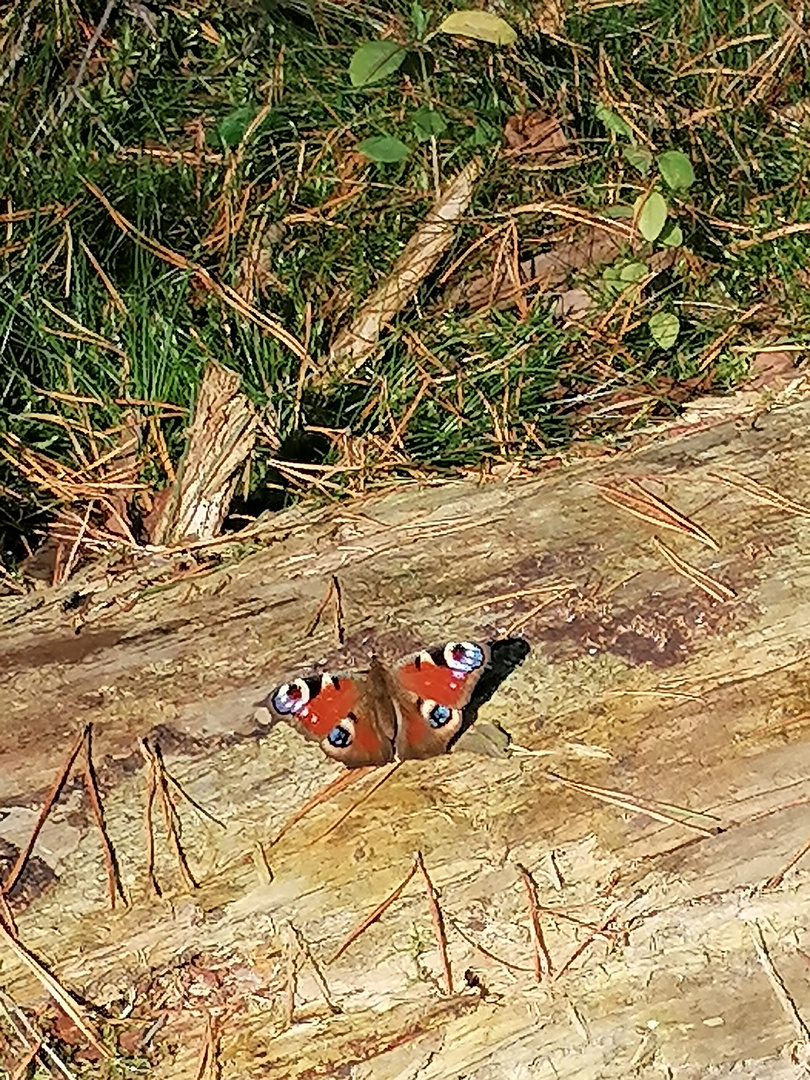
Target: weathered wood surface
{"type": "Point", "coordinates": [636, 681]}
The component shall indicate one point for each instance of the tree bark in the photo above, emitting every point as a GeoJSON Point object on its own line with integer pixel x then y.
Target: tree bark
{"type": "Point", "coordinates": [656, 793]}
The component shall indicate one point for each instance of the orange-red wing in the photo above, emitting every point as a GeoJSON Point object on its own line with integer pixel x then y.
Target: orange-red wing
{"type": "Point", "coordinates": [431, 690]}
{"type": "Point", "coordinates": [334, 711]}
{"type": "Point", "coordinates": [330, 702]}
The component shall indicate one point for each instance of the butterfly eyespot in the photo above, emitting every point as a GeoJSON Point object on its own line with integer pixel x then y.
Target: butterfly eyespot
{"type": "Point", "coordinates": [339, 737]}
{"type": "Point", "coordinates": [463, 656]}
{"type": "Point", "coordinates": [437, 715]}
{"type": "Point", "coordinates": [290, 697]}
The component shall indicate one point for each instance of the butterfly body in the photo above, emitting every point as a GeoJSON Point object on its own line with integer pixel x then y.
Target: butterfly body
{"type": "Point", "coordinates": [412, 710]}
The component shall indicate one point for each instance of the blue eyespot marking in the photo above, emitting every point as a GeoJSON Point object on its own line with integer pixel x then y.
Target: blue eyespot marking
{"type": "Point", "coordinates": [439, 715]}
{"type": "Point", "coordinates": [290, 697]}
{"type": "Point", "coordinates": [339, 737]}
{"type": "Point", "coordinates": [463, 656]}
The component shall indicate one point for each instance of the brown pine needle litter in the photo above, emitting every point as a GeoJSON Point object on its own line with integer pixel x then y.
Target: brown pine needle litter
{"type": "Point", "coordinates": [776, 879]}
{"type": "Point", "coordinates": [541, 958]}
{"type": "Point", "coordinates": [376, 914]}
{"type": "Point", "coordinates": [14, 873]}
{"type": "Point", "coordinates": [669, 816]}
{"type": "Point", "coordinates": [334, 787]}
{"type": "Point", "coordinates": [91, 786]}
{"type": "Point", "coordinates": [418, 866]}
{"type": "Point", "coordinates": [229, 296]}
{"type": "Point", "coordinates": [438, 924]}
{"type": "Point", "coordinates": [158, 786]}
{"type": "Point", "coordinates": [60, 995]}
{"type": "Point", "coordinates": [650, 508]}
{"type": "Point", "coordinates": [81, 742]}
{"type": "Point", "coordinates": [764, 494]}
{"type": "Point", "coordinates": [716, 589]}
{"type": "Point", "coordinates": [387, 772]}
{"type": "Point", "coordinates": [333, 593]}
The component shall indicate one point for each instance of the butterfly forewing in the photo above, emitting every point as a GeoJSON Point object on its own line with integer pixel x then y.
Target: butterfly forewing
{"type": "Point", "coordinates": [334, 710]}
{"type": "Point", "coordinates": [431, 689]}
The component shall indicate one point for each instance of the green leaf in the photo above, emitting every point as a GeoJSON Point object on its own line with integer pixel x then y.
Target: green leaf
{"type": "Point", "coordinates": [419, 18]}
{"type": "Point", "coordinates": [621, 275]}
{"type": "Point", "coordinates": [651, 214]}
{"type": "Point", "coordinates": [374, 61]}
{"type": "Point", "coordinates": [485, 134]}
{"type": "Point", "coordinates": [664, 328]}
{"type": "Point", "coordinates": [676, 170]}
{"type": "Point", "coordinates": [613, 122]}
{"type": "Point", "coordinates": [427, 122]}
{"type": "Point", "coordinates": [385, 148]}
{"type": "Point", "coordinates": [639, 158]}
{"type": "Point", "coordinates": [231, 130]}
{"type": "Point", "coordinates": [633, 271]}
{"type": "Point", "coordinates": [481, 25]}
{"type": "Point", "coordinates": [617, 211]}
{"type": "Point", "coordinates": [672, 235]}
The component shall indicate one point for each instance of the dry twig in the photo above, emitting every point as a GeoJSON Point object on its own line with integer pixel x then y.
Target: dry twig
{"type": "Point", "coordinates": [13, 875]}
{"type": "Point", "coordinates": [438, 924]}
{"type": "Point", "coordinates": [541, 958]}
{"type": "Point", "coordinates": [62, 996]}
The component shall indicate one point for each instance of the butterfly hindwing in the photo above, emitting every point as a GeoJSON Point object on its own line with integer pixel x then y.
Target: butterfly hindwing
{"type": "Point", "coordinates": [431, 690]}
{"type": "Point", "coordinates": [335, 711]}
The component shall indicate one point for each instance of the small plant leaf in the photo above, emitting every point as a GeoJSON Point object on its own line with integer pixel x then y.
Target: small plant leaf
{"type": "Point", "coordinates": [618, 210]}
{"type": "Point", "coordinates": [374, 61]}
{"type": "Point", "coordinates": [485, 134]}
{"type": "Point", "coordinates": [651, 214]}
{"type": "Point", "coordinates": [676, 170]}
{"type": "Point", "coordinates": [633, 271]}
{"type": "Point", "coordinates": [672, 235]}
{"type": "Point", "coordinates": [427, 122]}
{"type": "Point", "coordinates": [613, 122]}
{"type": "Point", "coordinates": [621, 275]}
{"type": "Point", "coordinates": [481, 25]}
{"type": "Point", "coordinates": [419, 18]}
{"type": "Point", "coordinates": [385, 148]}
{"type": "Point", "coordinates": [231, 130]}
{"type": "Point", "coordinates": [664, 328]}
{"type": "Point", "coordinates": [639, 158]}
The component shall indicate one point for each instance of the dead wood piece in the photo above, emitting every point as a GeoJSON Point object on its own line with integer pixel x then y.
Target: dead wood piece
{"type": "Point", "coordinates": [592, 245]}
{"type": "Point", "coordinates": [355, 344]}
{"type": "Point", "coordinates": [220, 438]}
{"type": "Point", "coordinates": [535, 133]}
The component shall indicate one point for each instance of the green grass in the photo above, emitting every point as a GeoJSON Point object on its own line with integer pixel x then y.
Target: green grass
{"type": "Point", "coordinates": [715, 81]}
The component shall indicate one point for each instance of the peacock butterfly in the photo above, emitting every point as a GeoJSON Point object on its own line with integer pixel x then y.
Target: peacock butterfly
{"type": "Point", "coordinates": [412, 710]}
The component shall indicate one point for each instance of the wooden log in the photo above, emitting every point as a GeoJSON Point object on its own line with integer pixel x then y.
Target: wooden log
{"type": "Point", "coordinates": [656, 801]}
